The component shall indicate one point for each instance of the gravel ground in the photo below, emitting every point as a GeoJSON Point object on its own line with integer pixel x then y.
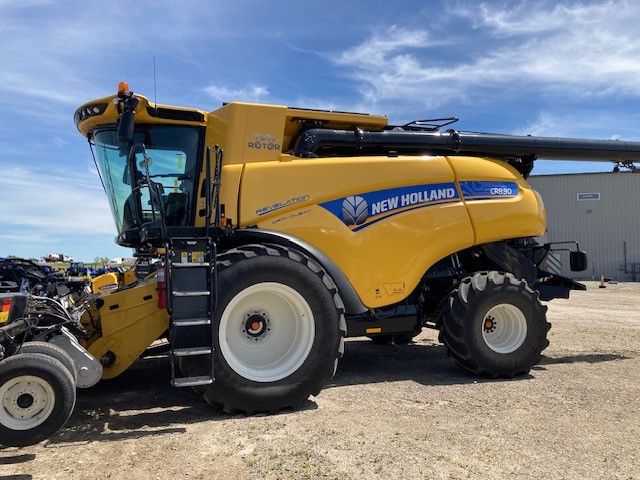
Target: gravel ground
{"type": "Point", "coordinates": [390, 412]}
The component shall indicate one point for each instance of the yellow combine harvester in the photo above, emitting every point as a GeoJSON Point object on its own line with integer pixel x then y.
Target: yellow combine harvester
{"type": "Point", "coordinates": [281, 232]}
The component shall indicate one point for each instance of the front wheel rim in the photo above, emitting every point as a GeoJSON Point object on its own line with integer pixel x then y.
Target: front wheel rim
{"type": "Point", "coordinates": [266, 332]}
{"type": "Point", "coordinates": [26, 402]}
{"type": "Point", "coordinates": [504, 328]}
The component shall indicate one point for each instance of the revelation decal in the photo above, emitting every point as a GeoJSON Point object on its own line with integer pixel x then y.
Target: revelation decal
{"type": "Point", "coordinates": [283, 204]}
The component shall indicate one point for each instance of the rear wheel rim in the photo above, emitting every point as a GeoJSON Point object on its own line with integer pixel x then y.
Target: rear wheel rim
{"type": "Point", "coordinates": [25, 402]}
{"type": "Point", "coordinates": [504, 328]}
{"type": "Point", "coordinates": [266, 332]}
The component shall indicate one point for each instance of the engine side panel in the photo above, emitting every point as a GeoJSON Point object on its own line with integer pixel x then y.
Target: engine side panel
{"type": "Point", "coordinates": [382, 220]}
{"type": "Point", "coordinates": [385, 221]}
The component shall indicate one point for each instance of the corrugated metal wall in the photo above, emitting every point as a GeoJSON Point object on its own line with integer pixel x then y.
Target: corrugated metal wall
{"type": "Point", "coordinates": [601, 224]}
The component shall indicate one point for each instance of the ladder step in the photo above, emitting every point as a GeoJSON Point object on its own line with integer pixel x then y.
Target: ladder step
{"type": "Point", "coordinates": [191, 322]}
{"type": "Point", "coordinates": [191, 294]}
{"type": "Point", "coordinates": [187, 352]}
{"type": "Point", "coordinates": [190, 265]}
{"type": "Point", "coordinates": [191, 381]}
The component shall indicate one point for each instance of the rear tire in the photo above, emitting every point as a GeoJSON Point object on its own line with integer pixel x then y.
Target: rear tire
{"type": "Point", "coordinates": [493, 324]}
{"type": "Point", "coordinates": [280, 326]}
{"type": "Point", "coordinates": [37, 396]}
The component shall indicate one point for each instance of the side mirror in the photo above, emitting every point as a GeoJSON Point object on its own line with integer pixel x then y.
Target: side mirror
{"type": "Point", "coordinates": [127, 121]}
{"type": "Point", "coordinates": [578, 261]}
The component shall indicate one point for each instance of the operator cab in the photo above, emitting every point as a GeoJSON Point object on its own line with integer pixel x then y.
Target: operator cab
{"type": "Point", "coordinates": [150, 172]}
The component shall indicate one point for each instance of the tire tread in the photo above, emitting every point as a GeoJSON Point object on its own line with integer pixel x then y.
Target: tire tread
{"type": "Point", "coordinates": [454, 321]}
{"type": "Point", "coordinates": [230, 258]}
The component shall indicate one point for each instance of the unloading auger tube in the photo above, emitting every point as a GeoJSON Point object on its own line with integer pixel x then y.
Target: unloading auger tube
{"type": "Point", "coordinates": [316, 140]}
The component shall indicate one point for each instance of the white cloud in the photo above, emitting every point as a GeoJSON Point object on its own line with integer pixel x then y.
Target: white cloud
{"type": "Point", "coordinates": [49, 203]}
{"type": "Point", "coordinates": [376, 50]}
{"type": "Point", "coordinates": [250, 93]}
{"type": "Point", "coordinates": [580, 123]}
{"type": "Point", "coordinates": [56, 55]}
{"type": "Point", "coordinates": [526, 18]}
{"type": "Point", "coordinates": [571, 49]}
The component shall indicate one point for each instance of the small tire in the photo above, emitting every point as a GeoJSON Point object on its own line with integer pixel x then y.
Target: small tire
{"type": "Point", "coordinates": [279, 329]}
{"type": "Point", "coordinates": [53, 351]}
{"type": "Point", "coordinates": [494, 325]}
{"type": "Point", "coordinates": [37, 396]}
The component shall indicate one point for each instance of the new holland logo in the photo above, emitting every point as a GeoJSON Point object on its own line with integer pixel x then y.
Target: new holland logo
{"type": "Point", "coordinates": [360, 211]}
{"type": "Point", "coordinates": [355, 210]}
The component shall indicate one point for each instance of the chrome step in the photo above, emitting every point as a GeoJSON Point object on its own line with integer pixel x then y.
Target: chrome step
{"type": "Point", "coordinates": [192, 381]}
{"type": "Point", "coordinates": [191, 294]}
{"type": "Point", "coordinates": [190, 351]}
{"type": "Point", "coordinates": [191, 322]}
{"type": "Point", "coordinates": [190, 264]}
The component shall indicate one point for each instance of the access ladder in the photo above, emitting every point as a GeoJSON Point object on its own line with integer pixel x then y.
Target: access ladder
{"type": "Point", "coordinates": [191, 299]}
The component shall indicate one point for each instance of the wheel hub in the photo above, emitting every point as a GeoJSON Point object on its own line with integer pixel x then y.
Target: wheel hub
{"type": "Point", "coordinates": [490, 324]}
{"type": "Point", "coordinates": [256, 325]}
{"type": "Point", "coordinates": [25, 400]}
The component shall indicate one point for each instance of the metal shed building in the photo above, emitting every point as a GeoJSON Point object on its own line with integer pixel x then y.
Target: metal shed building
{"type": "Point", "coordinates": [601, 211]}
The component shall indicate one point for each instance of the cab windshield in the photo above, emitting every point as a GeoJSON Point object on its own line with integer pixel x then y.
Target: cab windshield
{"type": "Point", "coordinates": [172, 159]}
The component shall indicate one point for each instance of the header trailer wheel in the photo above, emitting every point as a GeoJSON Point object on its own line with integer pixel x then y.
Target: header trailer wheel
{"type": "Point", "coordinates": [37, 396]}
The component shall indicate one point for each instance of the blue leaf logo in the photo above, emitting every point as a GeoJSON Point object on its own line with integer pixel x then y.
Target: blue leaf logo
{"type": "Point", "coordinates": [355, 210]}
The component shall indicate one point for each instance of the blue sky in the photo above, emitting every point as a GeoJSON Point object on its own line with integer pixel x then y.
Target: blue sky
{"type": "Point", "coordinates": [524, 67]}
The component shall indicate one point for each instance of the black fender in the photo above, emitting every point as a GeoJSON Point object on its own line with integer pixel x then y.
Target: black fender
{"type": "Point", "coordinates": [352, 303]}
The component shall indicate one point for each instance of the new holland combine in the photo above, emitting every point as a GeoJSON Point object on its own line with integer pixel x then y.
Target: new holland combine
{"type": "Point", "coordinates": [282, 231]}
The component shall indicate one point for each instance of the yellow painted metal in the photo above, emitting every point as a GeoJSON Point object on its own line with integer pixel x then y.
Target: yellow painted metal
{"type": "Point", "coordinates": [385, 261]}
{"type": "Point", "coordinates": [144, 114]}
{"type": "Point", "coordinates": [251, 132]}
{"type": "Point", "coordinates": [107, 282]}
{"type": "Point", "coordinates": [129, 277]}
{"type": "Point", "coordinates": [504, 218]}
{"type": "Point", "coordinates": [130, 322]}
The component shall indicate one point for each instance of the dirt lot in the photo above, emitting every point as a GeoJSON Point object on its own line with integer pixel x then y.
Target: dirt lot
{"type": "Point", "coordinates": [390, 412]}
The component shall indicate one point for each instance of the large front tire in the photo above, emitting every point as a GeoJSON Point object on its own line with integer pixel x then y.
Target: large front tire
{"type": "Point", "coordinates": [280, 327]}
{"type": "Point", "coordinates": [37, 396]}
{"type": "Point", "coordinates": [494, 325]}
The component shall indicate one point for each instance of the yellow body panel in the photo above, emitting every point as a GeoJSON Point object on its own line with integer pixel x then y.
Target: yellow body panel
{"type": "Point", "coordinates": [104, 283]}
{"type": "Point", "coordinates": [131, 321]}
{"type": "Point", "coordinates": [386, 260]}
{"type": "Point", "coordinates": [494, 220]}
{"type": "Point", "coordinates": [109, 116]}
